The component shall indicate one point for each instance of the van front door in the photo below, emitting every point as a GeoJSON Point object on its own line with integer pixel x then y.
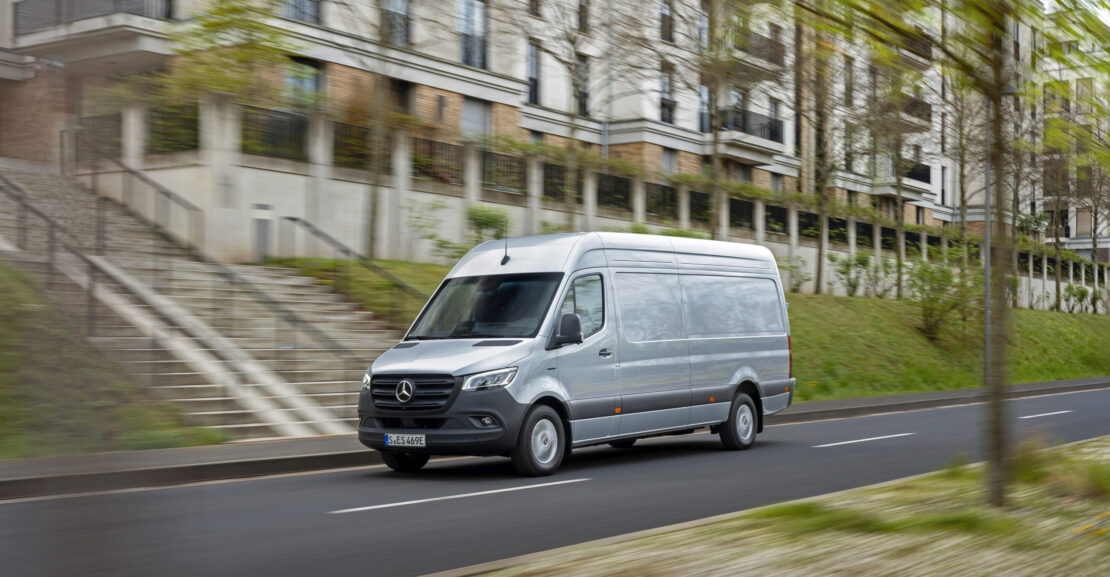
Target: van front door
{"type": "Point", "coordinates": [655, 356]}
{"type": "Point", "coordinates": [588, 369]}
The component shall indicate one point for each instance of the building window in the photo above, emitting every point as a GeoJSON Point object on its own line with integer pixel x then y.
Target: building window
{"type": "Point", "coordinates": [776, 182]}
{"type": "Point", "coordinates": [583, 16]}
{"type": "Point", "coordinates": [666, 20]}
{"type": "Point", "coordinates": [944, 186]}
{"type": "Point", "coordinates": [534, 7]}
{"type": "Point", "coordinates": [395, 22]}
{"type": "Point", "coordinates": [919, 215]}
{"type": "Point", "coordinates": [473, 32]}
{"type": "Point", "coordinates": [535, 136]}
{"type": "Point", "coordinates": [304, 79]}
{"type": "Point", "coordinates": [849, 80]}
{"type": "Point", "coordinates": [1084, 89]}
{"type": "Point", "coordinates": [666, 94]}
{"type": "Point", "coordinates": [703, 27]}
{"type": "Point", "coordinates": [582, 79]}
{"type": "Point", "coordinates": [670, 161]}
{"type": "Point", "coordinates": [703, 108]}
{"type": "Point", "coordinates": [533, 66]}
{"type": "Point", "coordinates": [476, 117]}
{"type": "Point", "coordinates": [441, 106]}
{"type": "Point", "coordinates": [303, 10]}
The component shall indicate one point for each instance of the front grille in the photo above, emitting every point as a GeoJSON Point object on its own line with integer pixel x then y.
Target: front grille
{"type": "Point", "coordinates": [413, 423]}
{"type": "Point", "coordinates": [430, 392]}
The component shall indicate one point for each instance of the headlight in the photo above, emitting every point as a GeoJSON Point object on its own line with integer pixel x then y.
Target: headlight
{"type": "Point", "coordinates": [366, 382]}
{"type": "Point", "coordinates": [489, 380]}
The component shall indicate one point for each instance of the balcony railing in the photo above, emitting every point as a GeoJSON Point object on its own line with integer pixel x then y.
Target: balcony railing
{"type": "Point", "coordinates": [502, 172]}
{"type": "Point", "coordinates": [919, 172]}
{"type": "Point", "coordinates": [752, 123]}
{"type": "Point", "coordinates": [274, 133]}
{"type": "Point", "coordinates": [35, 15]}
{"type": "Point", "coordinates": [762, 47]}
{"type": "Point", "coordinates": [918, 108]}
{"type": "Point", "coordinates": [353, 147]}
{"type": "Point", "coordinates": [614, 192]}
{"type": "Point", "coordinates": [918, 44]}
{"type": "Point", "coordinates": [435, 160]}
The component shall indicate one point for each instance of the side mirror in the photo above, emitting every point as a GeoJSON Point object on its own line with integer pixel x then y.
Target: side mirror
{"type": "Point", "coordinates": [570, 330]}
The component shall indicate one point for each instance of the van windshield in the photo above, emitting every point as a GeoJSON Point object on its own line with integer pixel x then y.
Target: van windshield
{"type": "Point", "coordinates": [494, 306]}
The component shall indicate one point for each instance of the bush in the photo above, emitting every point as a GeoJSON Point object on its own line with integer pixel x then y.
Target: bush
{"type": "Point", "coordinates": [939, 290]}
{"type": "Point", "coordinates": [878, 277]}
{"type": "Point", "coordinates": [850, 271]}
{"type": "Point", "coordinates": [1075, 296]}
{"type": "Point", "coordinates": [798, 275]}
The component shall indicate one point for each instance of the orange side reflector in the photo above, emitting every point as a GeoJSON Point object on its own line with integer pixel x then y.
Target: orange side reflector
{"type": "Point", "coordinates": [787, 388]}
{"type": "Point", "coordinates": [618, 410]}
{"type": "Point", "coordinates": [712, 399]}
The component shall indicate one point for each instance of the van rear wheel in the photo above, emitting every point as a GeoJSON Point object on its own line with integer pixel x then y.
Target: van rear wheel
{"type": "Point", "coordinates": [738, 432]}
{"type": "Point", "coordinates": [404, 462]}
{"type": "Point", "coordinates": [542, 443]}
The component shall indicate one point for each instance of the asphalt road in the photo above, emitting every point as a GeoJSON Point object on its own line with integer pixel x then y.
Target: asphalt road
{"type": "Point", "coordinates": [464, 511]}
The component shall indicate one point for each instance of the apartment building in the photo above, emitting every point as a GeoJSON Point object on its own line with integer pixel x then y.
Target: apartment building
{"type": "Point", "coordinates": [620, 77]}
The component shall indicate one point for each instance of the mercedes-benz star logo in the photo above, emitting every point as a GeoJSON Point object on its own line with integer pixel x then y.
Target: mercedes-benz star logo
{"type": "Point", "coordinates": [405, 390]}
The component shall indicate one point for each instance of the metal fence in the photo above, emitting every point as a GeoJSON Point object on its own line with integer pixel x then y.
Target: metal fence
{"type": "Point", "coordinates": [741, 213]}
{"type": "Point", "coordinates": [774, 219]}
{"type": "Point", "coordinates": [699, 206]}
{"type": "Point", "coordinates": [502, 172]}
{"type": "Point", "coordinates": [762, 47]}
{"type": "Point", "coordinates": [614, 192]}
{"type": "Point", "coordinates": [101, 137]}
{"type": "Point", "coordinates": [661, 200]}
{"type": "Point", "coordinates": [752, 123]}
{"type": "Point", "coordinates": [35, 15]}
{"type": "Point", "coordinates": [274, 133]}
{"type": "Point", "coordinates": [353, 147]}
{"type": "Point", "coordinates": [436, 160]}
{"type": "Point", "coordinates": [864, 233]}
{"type": "Point", "coordinates": [809, 225]}
{"type": "Point", "coordinates": [173, 128]}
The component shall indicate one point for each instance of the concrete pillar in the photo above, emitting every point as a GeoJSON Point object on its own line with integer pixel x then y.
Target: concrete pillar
{"type": "Point", "coordinates": [639, 199]}
{"type": "Point", "coordinates": [792, 231]}
{"type": "Point", "coordinates": [723, 216]}
{"type": "Point", "coordinates": [387, 220]}
{"type": "Point", "coordinates": [1029, 279]}
{"type": "Point", "coordinates": [683, 195]}
{"type": "Point", "coordinates": [851, 237]}
{"type": "Point", "coordinates": [1071, 271]}
{"type": "Point", "coordinates": [228, 226]}
{"type": "Point", "coordinates": [924, 246]}
{"type": "Point", "coordinates": [589, 201]}
{"type": "Point", "coordinates": [877, 241]}
{"type": "Point", "coordinates": [133, 129]}
{"type": "Point", "coordinates": [533, 175]}
{"type": "Point", "coordinates": [320, 151]}
{"type": "Point", "coordinates": [1083, 275]}
{"type": "Point", "coordinates": [759, 216]}
{"type": "Point", "coordinates": [1044, 280]}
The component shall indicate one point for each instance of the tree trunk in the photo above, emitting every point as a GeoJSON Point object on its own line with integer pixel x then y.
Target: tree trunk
{"type": "Point", "coordinates": [1057, 231]}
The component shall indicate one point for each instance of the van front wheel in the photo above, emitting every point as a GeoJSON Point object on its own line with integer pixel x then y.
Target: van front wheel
{"type": "Point", "coordinates": [540, 448]}
{"type": "Point", "coordinates": [738, 433]}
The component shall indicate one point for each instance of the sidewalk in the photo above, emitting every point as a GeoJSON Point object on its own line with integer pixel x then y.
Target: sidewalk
{"type": "Point", "coordinates": [21, 478]}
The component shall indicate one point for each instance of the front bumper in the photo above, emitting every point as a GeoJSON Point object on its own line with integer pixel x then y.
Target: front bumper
{"type": "Point", "coordinates": [455, 430]}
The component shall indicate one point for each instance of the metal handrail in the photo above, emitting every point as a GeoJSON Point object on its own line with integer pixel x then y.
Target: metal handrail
{"type": "Point", "coordinates": [357, 256]}
{"type": "Point", "coordinates": [283, 312]}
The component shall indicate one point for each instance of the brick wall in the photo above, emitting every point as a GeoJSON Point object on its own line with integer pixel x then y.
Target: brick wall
{"type": "Point", "coordinates": [350, 93]}
{"type": "Point", "coordinates": [506, 121]}
{"type": "Point", "coordinates": [647, 155]}
{"type": "Point", "coordinates": [31, 114]}
{"type": "Point", "coordinates": [445, 124]}
{"type": "Point", "coordinates": [761, 178]}
{"type": "Point", "coordinates": [689, 163]}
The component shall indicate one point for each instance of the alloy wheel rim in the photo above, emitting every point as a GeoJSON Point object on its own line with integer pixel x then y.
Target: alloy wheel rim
{"type": "Point", "coordinates": [545, 441]}
{"type": "Point", "coordinates": [745, 422]}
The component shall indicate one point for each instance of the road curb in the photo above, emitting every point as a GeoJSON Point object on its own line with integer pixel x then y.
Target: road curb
{"type": "Point", "coordinates": [43, 485]}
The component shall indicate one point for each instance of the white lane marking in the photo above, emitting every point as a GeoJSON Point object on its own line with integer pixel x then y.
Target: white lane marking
{"type": "Point", "coordinates": [449, 497]}
{"type": "Point", "coordinates": [863, 440]}
{"type": "Point", "coordinates": [1044, 415]}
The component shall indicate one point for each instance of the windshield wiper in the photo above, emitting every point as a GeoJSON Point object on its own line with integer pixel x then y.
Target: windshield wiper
{"type": "Point", "coordinates": [428, 338]}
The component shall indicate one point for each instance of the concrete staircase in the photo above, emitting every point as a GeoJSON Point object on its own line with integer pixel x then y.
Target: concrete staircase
{"type": "Point", "coordinates": [274, 315]}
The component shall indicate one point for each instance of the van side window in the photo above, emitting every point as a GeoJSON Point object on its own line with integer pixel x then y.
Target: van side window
{"type": "Point", "coordinates": [731, 306]}
{"type": "Point", "coordinates": [650, 306]}
{"type": "Point", "coordinates": [586, 298]}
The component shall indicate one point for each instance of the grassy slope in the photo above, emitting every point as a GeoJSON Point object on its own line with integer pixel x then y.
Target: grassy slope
{"type": "Point", "coordinates": [58, 394]}
{"type": "Point", "coordinates": [854, 347]}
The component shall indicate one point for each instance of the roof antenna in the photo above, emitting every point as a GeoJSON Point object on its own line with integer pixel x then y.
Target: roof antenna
{"type": "Point", "coordinates": [505, 258]}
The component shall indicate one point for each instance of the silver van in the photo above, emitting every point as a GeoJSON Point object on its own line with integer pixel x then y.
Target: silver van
{"type": "Point", "coordinates": [535, 345]}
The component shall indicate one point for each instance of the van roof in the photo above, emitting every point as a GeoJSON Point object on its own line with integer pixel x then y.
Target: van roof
{"type": "Point", "coordinates": [572, 251]}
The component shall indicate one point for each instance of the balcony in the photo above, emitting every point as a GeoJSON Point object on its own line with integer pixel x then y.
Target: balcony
{"type": "Point", "coordinates": [917, 178]}
{"type": "Point", "coordinates": [762, 47]}
{"type": "Point", "coordinates": [753, 123]}
{"type": "Point", "coordinates": [916, 114]}
{"type": "Point", "coordinates": [36, 15]}
{"type": "Point", "coordinates": [917, 49]}
{"type": "Point", "coordinates": [919, 172]}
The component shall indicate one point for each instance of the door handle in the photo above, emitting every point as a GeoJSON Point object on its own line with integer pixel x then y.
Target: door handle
{"type": "Point", "coordinates": [605, 353]}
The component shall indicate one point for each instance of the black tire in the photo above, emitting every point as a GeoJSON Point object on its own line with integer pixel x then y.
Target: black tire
{"type": "Point", "coordinates": [404, 462]}
{"type": "Point", "coordinates": [742, 420]}
{"type": "Point", "coordinates": [542, 425]}
{"type": "Point", "coordinates": [622, 443]}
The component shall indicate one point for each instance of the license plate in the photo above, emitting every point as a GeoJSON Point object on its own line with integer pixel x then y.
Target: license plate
{"type": "Point", "coordinates": [404, 440]}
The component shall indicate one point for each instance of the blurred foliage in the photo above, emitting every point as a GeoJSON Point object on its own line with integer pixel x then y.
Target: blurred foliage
{"type": "Point", "coordinates": [59, 394]}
